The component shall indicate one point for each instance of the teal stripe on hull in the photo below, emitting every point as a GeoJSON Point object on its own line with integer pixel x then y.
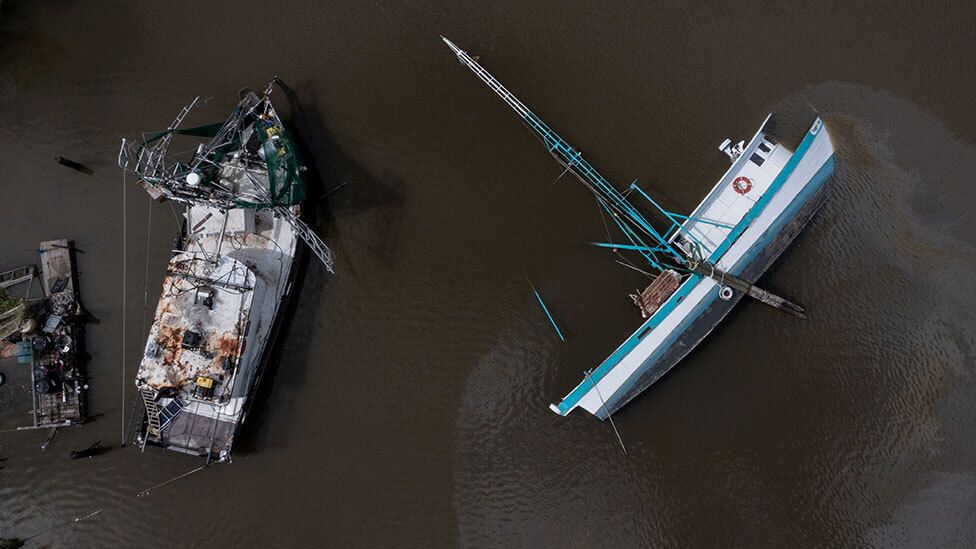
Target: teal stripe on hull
{"type": "Point", "coordinates": [815, 184]}
{"type": "Point", "coordinates": [764, 200]}
{"type": "Point", "coordinates": [573, 398]}
{"type": "Point", "coordinates": [769, 234]}
{"type": "Point", "coordinates": [596, 375]}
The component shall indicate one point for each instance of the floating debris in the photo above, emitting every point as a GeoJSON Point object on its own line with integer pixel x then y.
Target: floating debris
{"type": "Point", "coordinates": [74, 165]}
{"type": "Point", "coordinates": [92, 451]}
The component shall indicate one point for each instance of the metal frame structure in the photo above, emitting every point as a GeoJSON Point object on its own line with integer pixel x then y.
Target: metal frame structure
{"type": "Point", "coordinates": [651, 244]}
{"type": "Point", "coordinates": [643, 237]}
{"type": "Point", "coordinates": [149, 159]}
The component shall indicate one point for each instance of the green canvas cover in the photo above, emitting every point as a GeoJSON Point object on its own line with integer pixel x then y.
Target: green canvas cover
{"type": "Point", "coordinates": [286, 185]}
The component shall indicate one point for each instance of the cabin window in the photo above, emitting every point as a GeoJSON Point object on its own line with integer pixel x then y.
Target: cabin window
{"type": "Point", "coordinates": [756, 159]}
{"type": "Point", "coordinates": [764, 148]}
{"type": "Point", "coordinates": [643, 332]}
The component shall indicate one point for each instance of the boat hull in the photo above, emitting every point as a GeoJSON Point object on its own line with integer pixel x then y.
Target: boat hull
{"type": "Point", "coordinates": [716, 308]}
{"type": "Point", "coordinates": [750, 245]}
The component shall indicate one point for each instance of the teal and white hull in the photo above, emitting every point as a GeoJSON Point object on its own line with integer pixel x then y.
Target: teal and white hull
{"type": "Point", "coordinates": [779, 205]}
{"type": "Point", "coordinates": [707, 260]}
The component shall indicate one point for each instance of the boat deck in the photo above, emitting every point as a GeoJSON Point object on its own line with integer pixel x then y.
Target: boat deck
{"type": "Point", "coordinates": [238, 327]}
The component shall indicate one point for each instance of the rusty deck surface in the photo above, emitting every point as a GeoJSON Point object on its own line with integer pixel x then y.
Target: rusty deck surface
{"type": "Point", "coordinates": [202, 359]}
{"type": "Point", "coordinates": [199, 326]}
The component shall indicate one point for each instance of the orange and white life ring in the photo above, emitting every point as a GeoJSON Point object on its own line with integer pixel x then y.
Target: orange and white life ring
{"type": "Point", "coordinates": [742, 185]}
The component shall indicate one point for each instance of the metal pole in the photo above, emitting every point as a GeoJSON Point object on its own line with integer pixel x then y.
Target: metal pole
{"type": "Point", "coordinates": [609, 415]}
{"type": "Point", "coordinates": [124, 223]}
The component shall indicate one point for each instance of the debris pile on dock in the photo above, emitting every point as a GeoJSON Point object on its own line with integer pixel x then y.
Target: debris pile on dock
{"type": "Point", "coordinates": [47, 334]}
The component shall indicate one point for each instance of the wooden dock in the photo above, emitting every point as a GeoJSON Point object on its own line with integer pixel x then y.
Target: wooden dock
{"type": "Point", "coordinates": [57, 370]}
{"type": "Point", "coordinates": [57, 267]}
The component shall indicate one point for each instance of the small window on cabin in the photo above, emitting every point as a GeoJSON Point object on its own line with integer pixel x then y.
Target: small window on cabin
{"type": "Point", "coordinates": [763, 147]}
{"type": "Point", "coordinates": [756, 159]}
{"type": "Point", "coordinates": [643, 332]}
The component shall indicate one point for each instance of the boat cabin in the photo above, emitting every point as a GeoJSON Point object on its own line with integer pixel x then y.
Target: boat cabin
{"type": "Point", "coordinates": [754, 168]}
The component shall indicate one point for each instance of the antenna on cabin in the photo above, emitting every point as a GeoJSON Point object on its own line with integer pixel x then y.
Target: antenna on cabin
{"type": "Point", "coordinates": [734, 151]}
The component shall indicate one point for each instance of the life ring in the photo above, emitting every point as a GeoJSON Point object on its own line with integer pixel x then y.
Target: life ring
{"type": "Point", "coordinates": [742, 185]}
{"type": "Point", "coordinates": [725, 293]}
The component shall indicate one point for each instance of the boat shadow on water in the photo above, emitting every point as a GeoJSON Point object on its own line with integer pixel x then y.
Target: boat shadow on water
{"type": "Point", "coordinates": [341, 188]}
{"type": "Point", "coordinates": [322, 169]}
{"type": "Point", "coordinates": [356, 210]}
{"type": "Point", "coordinates": [340, 193]}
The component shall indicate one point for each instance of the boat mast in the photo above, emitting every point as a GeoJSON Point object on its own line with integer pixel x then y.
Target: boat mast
{"type": "Point", "coordinates": [624, 214]}
{"type": "Point", "coordinates": [627, 217]}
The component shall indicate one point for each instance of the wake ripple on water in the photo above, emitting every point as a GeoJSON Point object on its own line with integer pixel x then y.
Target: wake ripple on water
{"type": "Point", "coordinates": [826, 424]}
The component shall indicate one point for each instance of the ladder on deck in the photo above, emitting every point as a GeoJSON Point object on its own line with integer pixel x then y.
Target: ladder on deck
{"type": "Point", "coordinates": [306, 233]}
{"type": "Point", "coordinates": [152, 411]}
{"type": "Point", "coordinates": [150, 160]}
{"type": "Point", "coordinates": [16, 276]}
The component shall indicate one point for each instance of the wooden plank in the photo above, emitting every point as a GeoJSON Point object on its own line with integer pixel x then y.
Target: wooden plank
{"type": "Point", "coordinates": [659, 290]}
{"type": "Point", "coordinates": [56, 264]}
{"type": "Point", "coordinates": [708, 270]}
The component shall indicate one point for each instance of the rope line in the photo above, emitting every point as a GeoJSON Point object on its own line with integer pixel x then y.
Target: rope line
{"type": "Point", "coordinates": [606, 229]}
{"type": "Point", "coordinates": [176, 218]}
{"type": "Point", "coordinates": [145, 284]}
{"type": "Point", "coordinates": [174, 479]}
{"type": "Point", "coordinates": [609, 415]}
{"type": "Point", "coordinates": [124, 244]}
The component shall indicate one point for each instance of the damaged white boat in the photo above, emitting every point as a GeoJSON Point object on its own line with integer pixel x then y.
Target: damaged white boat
{"type": "Point", "coordinates": [706, 261]}
{"type": "Point", "coordinates": [229, 279]}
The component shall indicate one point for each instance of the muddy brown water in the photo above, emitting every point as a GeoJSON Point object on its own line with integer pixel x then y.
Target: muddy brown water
{"type": "Point", "coordinates": [409, 406]}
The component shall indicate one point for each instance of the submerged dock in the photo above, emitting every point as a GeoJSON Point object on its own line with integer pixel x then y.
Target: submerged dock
{"type": "Point", "coordinates": [57, 373]}
{"type": "Point", "coordinates": [47, 336]}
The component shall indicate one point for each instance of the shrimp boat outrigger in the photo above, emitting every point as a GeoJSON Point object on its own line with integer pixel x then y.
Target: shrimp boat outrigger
{"type": "Point", "coordinates": [707, 261]}
{"type": "Point", "coordinates": [230, 276]}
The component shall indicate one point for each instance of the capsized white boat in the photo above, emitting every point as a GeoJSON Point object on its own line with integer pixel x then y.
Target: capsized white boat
{"type": "Point", "coordinates": [706, 261]}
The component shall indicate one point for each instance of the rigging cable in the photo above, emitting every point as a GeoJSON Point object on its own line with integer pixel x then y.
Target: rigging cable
{"type": "Point", "coordinates": [176, 218]}
{"type": "Point", "coordinates": [606, 229]}
{"type": "Point", "coordinates": [145, 284]}
{"type": "Point", "coordinates": [124, 222]}
{"type": "Point", "coordinates": [609, 415]}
